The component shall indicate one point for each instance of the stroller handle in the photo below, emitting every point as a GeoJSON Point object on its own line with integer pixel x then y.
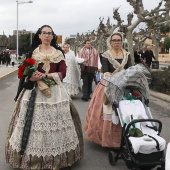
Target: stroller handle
{"type": "Point", "coordinates": [145, 120]}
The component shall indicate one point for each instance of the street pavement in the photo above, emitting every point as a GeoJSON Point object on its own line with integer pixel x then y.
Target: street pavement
{"type": "Point", "coordinates": [95, 157]}
{"type": "Point", "coordinates": [5, 71]}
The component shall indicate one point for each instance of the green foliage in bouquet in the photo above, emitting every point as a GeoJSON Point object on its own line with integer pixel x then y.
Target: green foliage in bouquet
{"type": "Point", "coordinates": [48, 81]}
{"type": "Point", "coordinates": [29, 70]}
{"type": "Point", "coordinates": [134, 131]}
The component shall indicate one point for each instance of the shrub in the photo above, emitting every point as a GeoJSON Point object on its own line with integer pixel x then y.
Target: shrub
{"type": "Point", "coordinates": [161, 81]}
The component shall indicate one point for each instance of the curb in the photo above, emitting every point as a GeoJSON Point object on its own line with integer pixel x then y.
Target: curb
{"type": "Point", "coordinates": [161, 96]}
{"type": "Point", "coordinates": [8, 73]}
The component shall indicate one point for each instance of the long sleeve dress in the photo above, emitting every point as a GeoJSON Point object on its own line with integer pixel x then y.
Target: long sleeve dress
{"type": "Point", "coordinates": [98, 126]}
{"type": "Point", "coordinates": [55, 139]}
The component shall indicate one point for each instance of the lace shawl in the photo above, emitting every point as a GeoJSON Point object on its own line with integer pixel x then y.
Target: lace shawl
{"type": "Point", "coordinates": [108, 55]}
{"type": "Point", "coordinates": [55, 57]}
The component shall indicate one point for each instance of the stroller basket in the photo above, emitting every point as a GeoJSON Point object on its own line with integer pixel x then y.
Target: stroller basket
{"type": "Point", "coordinates": [144, 161]}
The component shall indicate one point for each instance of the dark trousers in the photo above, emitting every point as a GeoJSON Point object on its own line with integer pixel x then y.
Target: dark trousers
{"type": "Point", "coordinates": [7, 62]}
{"type": "Point", "coordinates": [87, 84]}
{"type": "Point", "coordinates": [148, 64]}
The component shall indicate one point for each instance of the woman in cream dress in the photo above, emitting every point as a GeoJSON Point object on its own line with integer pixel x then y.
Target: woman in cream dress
{"type": "Point", "coordinates": [55, 139]}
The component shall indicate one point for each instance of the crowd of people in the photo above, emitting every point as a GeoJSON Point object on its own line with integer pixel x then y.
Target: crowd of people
{"type": "Point", "coordinates": [9, 58]}
{"type": "Point", "coordinates": [45, 132]}
{"type": "Point", "coordinates": [146, 56]}
{"type": "Point", "coordinates": [5, 57]}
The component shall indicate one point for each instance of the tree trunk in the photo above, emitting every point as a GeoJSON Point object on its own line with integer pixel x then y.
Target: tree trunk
{"type": "Point", "coordinates": [156, 42]}
{"type": "Point", "coordinates": [129, 37]}
{"type": "Point", "coordinates": [100, 43]}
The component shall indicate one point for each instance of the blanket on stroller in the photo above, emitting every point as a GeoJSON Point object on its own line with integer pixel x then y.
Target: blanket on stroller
{"type": "Point", "coordinates": [116, 85]}
{"type": "Point", "coordinates": [147, 143]}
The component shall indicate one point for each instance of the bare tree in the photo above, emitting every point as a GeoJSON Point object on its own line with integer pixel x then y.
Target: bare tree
{"type": "Point", "coordinates": [160, 14]}
{"type": "Point", "coordinates": [104, 31]}
{"type": "Point", "coordinates": [143, 15]}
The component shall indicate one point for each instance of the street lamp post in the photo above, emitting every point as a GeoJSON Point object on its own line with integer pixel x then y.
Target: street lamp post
{"type": "Point", "coordinates": [17, 22]}
{"type": "Point", "coordinates": [31, 38]}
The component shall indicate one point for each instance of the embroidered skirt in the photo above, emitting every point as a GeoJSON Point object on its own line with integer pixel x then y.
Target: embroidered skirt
{"type": "Point", "coordinates": [98, 127]}
{"type": "Point", "coordinates": [55, 139]}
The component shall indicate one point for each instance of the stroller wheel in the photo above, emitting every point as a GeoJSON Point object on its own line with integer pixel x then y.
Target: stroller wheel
{"type": "Point", "coordinates": [147, 168]}
{"type": "Point", "coordinates": [112, 158]}
{"type": "Point", "coordinates": [159, 168]}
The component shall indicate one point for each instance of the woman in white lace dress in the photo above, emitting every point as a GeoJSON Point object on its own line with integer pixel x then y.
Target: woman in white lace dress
{"type": "Point", "coordinates": [55, 139]}
{"type": "Point", "coordinates": [72, 82]}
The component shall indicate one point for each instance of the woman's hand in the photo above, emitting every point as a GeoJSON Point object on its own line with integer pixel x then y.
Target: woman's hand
{"type": "Point", "coordinates": [108, 74]}
{"type": "Point", "coordinates": [36, 76]}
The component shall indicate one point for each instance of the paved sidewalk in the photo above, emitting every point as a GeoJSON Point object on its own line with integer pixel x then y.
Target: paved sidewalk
{"type": "Point", "coordinates": [5, 71]}
{"type": "Point", "coordinates": [161, 96]}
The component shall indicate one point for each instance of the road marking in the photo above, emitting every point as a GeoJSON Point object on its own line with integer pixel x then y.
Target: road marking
{"type": "Point", "coordinates": [8, 73]}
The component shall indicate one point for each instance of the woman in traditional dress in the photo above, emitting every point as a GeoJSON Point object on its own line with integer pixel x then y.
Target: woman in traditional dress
{"type": "Point", "coordinates": [98, 126]}
{"type": "Point", "coordinates": [72, 82]}
{"type": "Point", "coordinates": [55, 139]}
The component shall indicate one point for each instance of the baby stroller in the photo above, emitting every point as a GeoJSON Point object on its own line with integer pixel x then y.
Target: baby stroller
{"type": "Point", "coordinates": [141, 146]}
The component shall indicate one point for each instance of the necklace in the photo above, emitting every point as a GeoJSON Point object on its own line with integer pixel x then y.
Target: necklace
{"type": "Point", "coordinates": [117, 54]}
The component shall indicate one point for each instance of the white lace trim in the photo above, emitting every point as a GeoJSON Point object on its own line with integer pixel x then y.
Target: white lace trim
{"type": "Point", "coordinates": [108, 112]}
{"type": "Point", "coordinates": [107, 117]}
{"type": "Point", "coordinates": [57, 79]}
{"type": "Point", "coordinates": [52, 132]}
{"type": "Point", "coordinates": [71, 89]}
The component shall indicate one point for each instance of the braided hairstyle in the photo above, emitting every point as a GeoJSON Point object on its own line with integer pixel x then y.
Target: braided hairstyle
{"type": "Point", "coordinates": [36, 41]}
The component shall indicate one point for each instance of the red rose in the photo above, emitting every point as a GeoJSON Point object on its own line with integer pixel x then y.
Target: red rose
{"type": "Point", "coordinates": [21, 71]}
{"type": "Point", "coordinates": [135, 94]}
{"type": "Point", "coordinates": [24, 69]}
{"type": "Point", "coordinates": [29, 61]}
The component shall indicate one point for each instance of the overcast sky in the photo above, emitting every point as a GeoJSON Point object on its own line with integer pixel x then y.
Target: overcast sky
{"type": "Point", "coordinates": [66, 17]}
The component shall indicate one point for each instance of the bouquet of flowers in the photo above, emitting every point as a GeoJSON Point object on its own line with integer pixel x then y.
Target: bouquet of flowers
{"type": "Point", "coordinates": [27, 68]}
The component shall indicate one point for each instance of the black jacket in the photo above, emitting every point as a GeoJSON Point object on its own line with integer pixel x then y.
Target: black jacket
{"type": "Point", "coordinates": [148, 56]}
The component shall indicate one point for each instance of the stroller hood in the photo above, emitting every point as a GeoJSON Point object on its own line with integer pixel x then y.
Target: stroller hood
{"type": "Point", "coordinates": [133, 77]}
